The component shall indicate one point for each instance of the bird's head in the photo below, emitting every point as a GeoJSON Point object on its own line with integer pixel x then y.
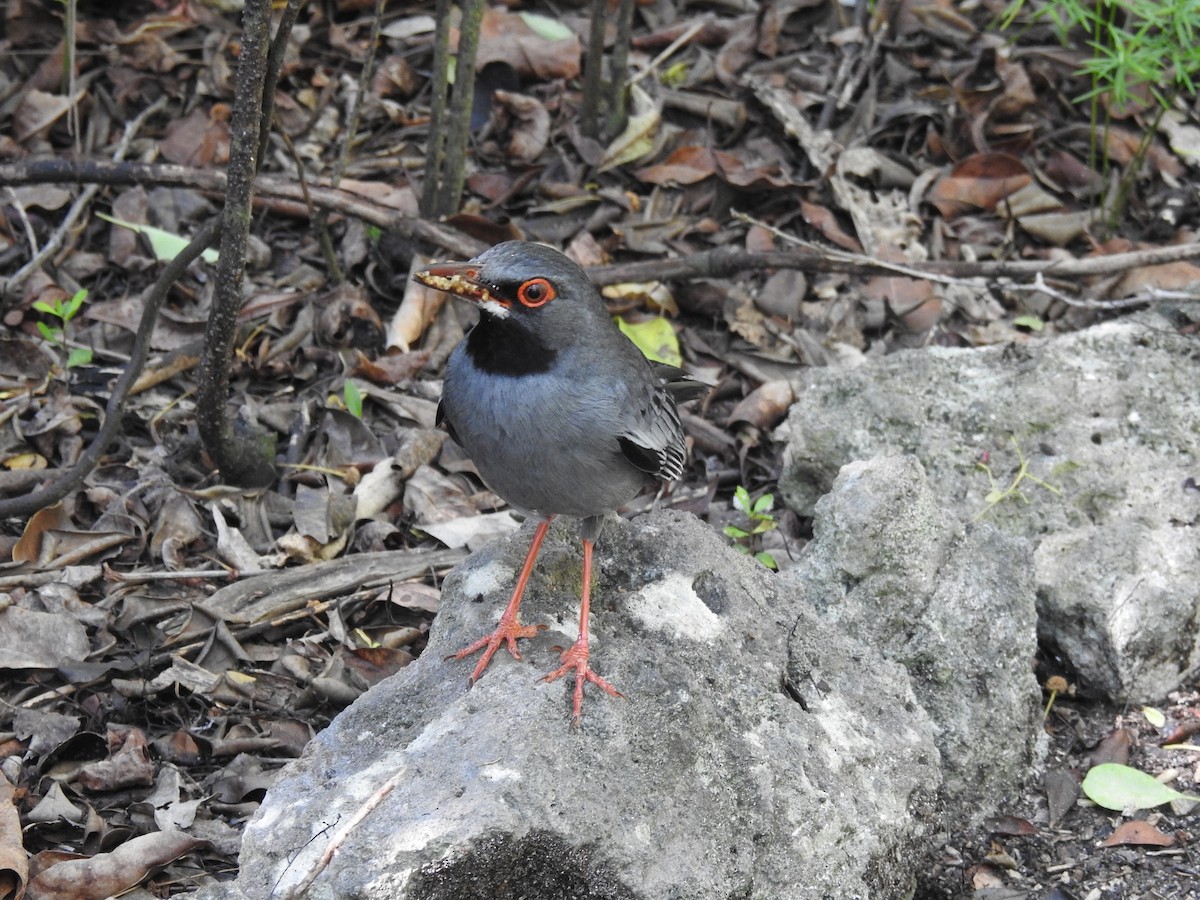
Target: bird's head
{"type": "Point", "coordinates": [535, 303]}
{"type": "Point", "coordinates": [520, 281]}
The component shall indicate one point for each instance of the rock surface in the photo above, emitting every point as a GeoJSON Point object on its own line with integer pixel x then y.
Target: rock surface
{"type": "Point", "coordinates": [953, 604]}
{"type": "Point", "coordinates": [766, 750]}
{"type": "Point", "coordinates": [1107, 420]}
{"type": "Point", "coordinates": [759, 754]}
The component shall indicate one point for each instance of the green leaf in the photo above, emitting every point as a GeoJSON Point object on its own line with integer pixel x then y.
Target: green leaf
{"type": "Point", "coordinates": [764, 504]}
{"type": "Point", "coordinates": [741, 499]}
{"type": "Point", "coordinates": [53, 335]}
{"type": "Point", "coordinates": [1033, 323]}
{"type": "Point", "coordinates": [72, 306]}
{"type": "Point", "coordinates": [1118, 787]}
{"type": "Point", "coordinates": [1154, 716]}
{"type": "Point", "coordinates": [354, 398]}
{"type": "Point", "coordinates": [49, 309]}
{"type": "Point", "coordinates": [655, 338]}
{"type": "Point", "coordinates": [674, 76]}
{"type": "Point", "coordinates": [164, 244]}
{"type": "Point", "coordinates": [736, 533]}
{"type": "Point", "coordinates": [767, 560]}
{"type": "Point", "coordinates": [79, 356]}
{"type": "Point", "coordinates": [545, 27]}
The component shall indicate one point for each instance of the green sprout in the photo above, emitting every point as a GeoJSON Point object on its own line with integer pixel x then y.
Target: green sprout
{"type": "Point", "coordinates": [64, 311]}
{"type": "Point", "coordinates": [997, 495]}
{"type": "Point", "coordinates": [758, 522]}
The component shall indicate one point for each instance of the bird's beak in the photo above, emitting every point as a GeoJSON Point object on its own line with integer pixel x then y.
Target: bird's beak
{"type": "Point", "coordinates": [460, 279]}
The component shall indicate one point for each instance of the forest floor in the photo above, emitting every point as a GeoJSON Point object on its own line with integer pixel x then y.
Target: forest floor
{"type": "Point", "coordinates": [808, 144]}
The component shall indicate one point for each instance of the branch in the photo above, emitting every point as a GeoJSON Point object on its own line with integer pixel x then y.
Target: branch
{"type": "Point", "coordinates": [245, 454]}
{"type": "Point", "coordinates": [347, 202]}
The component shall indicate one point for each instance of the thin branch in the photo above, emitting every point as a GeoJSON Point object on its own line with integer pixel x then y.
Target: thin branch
{"type": "Point", "coordinates": [440, 86]}
{"type": "Point", "coordinates": [347, 202]}
{"type": "Point", "coordinates": [458, 128]}
{"type": "Point", "coordinates": [244, 453]}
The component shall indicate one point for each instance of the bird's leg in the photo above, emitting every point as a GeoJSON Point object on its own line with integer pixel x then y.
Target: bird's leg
{"type": "Point", "coordinates": [575, 657]}
{"type": "Point", "coordinates": [509, 628]}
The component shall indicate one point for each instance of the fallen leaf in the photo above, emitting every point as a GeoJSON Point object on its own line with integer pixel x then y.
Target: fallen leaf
{"type": "Point", "coordinates": [655, 337]}
{"type": "Point", "coordinates": [766, 405]}
{"type": "Point", "coordinates": [1139, 833]}
{"type": "Point", "coordinates": [531, 132]}
{"type": "Point", "coordinates": [1119, 788]}
{"type": "Point", "coordinates": [638, 138]}
{"type": "Point", "coordinates": [14, 867]}
{"type": "Point", "coordinates": [979, 182]}
{"type": "Point", "coordinates": [1113, 748]}
{"type": "Point", "coordinates": [107, 874]}
{"type": "Point", "coordinates": [30, 639]}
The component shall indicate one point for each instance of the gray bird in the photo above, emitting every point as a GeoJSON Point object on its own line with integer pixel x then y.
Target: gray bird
{"type": "Point", "coordinates": [561, 413]}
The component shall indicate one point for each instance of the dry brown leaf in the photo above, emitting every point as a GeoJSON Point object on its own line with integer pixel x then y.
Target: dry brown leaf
{"type": "Point", "coordinates": [826, 222]}
{"type": "Point", "coordinates": [978, 182]}
{"type": "Point", "coordinates": [1175, 276]}
{"type": "Point", "coordinates": [417, 310]}
{"type": "Point", "coordinates": [766, 405]}
{"type": "Point", "coordinates": [530, 132]}
{"type": "Point", "coordinates": [28, 548]}
{"type": "Point", "coordinates": [37, 112]}
{"type": "Point", "coordinates": [1113, 748]}
{"type": "Point", "coordinates": [128, 767]}
{"type": "Point", "coordinates": [30, 639]}
{"type": "Point", "coordinates": [14, 868]}
{"type": "Point", "coordinates": [107, 874]}
{"type": "Point", "coordinates": [200, 139]}
{"type": "Point", "coordinates": [685, 165]}
{"type": "Point", "coordinates": [505, 37]}
{"type": "Point", "coordinates": [1139, 833]}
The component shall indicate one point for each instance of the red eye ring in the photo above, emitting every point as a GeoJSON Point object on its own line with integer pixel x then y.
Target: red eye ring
{"type": "Point", "coordinates": [536, 292]}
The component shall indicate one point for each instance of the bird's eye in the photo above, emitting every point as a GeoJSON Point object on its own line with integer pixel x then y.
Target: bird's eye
{"type": "Point", "coordinates": [535, 292]}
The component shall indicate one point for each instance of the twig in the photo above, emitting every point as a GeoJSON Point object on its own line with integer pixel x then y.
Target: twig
{"type": "Point", "coordinates": [44, 171]}
{"type": "Point", "coordinates": [694, 29]}
{"type": "Point", "coordinates": [725, 261]}
{"type": "Point", "coordinates": [1151, 295]}
{"type": "Point", "coordinates": [342, 833]}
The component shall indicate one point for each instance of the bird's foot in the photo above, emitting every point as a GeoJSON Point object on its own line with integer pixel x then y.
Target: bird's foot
{"type": "Point", "coordinates": [507, 632]}
{"type": "Point", "coordinates": [575, 658]}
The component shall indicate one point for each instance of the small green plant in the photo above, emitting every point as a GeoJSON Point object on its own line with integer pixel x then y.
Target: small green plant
{"type": "Point", "coordinates": [1138, 48]}
{"type": "Point", "coordinates": [64, 311]}
{"type": "Point", "coordinates": [353, 397]}
{"type": "Point", "coordinates": [997, 494]}
{"type": "Point", "coordinates": [759, 521]}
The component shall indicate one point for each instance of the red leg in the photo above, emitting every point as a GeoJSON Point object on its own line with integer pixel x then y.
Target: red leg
{"type": "Point", "coordinates": [509, 627]}
{"type": "Point", "coordinates": [576, 656]}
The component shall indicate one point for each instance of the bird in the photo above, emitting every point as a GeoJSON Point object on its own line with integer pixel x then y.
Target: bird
{"type": "Point", "coordinates": [561, 413]}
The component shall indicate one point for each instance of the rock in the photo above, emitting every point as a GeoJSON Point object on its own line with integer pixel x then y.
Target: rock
{"type": "Point", "coordinates": [761, 752]}
{"type": "Point", "coordinates": [953, 604]}
{"type": "Point", "coordinates": [1090, 439]}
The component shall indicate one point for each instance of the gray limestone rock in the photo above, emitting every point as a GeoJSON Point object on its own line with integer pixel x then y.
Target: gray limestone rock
{"type": "Point", "coordinates": [1091, 440]}
{"type": "Point", "coordinates": [953, 604]}
{"type": "Point", "coordinates": [760, 753]}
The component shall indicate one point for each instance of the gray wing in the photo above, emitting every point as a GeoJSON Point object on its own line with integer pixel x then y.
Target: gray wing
{"type": "Point", "coordinates": [653, 440]}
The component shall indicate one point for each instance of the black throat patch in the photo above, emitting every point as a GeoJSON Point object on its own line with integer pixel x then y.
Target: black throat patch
{"type": "Point", "coordinates": [502, 347]}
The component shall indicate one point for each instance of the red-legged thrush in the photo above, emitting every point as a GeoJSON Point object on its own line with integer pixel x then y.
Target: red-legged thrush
{"type": "Point", "coordinates": [560, 412]}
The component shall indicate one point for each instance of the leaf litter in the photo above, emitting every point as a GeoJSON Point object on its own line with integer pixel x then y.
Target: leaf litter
{"type": "Point", "coordinates": [167, 643]}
